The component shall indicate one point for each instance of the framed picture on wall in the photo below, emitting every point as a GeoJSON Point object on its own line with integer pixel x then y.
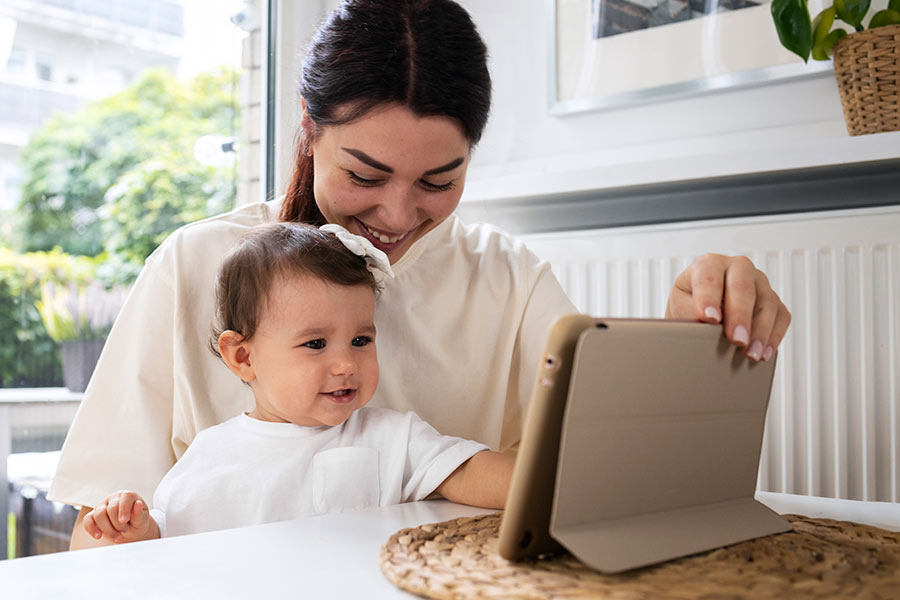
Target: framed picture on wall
{"type": "Point", "coordinates": [613, 53]}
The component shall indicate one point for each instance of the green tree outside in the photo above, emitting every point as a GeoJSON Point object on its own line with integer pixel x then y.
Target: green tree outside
{"type": "Point", "coordinates": [119, 174]}
{"type": "Point", "coordinates": [109, 181]}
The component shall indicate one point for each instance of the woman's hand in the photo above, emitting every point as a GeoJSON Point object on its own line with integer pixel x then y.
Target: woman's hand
{"type": "Point", "coordinates": [732, 291]}
{"type": "Point", "coordinates": [121, 517]}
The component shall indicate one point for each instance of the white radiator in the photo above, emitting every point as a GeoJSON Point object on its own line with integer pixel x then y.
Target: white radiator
{"type": "Point", "coordinates": [833, 426]}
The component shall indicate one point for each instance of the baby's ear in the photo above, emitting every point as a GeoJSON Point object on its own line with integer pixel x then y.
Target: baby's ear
{"type": "Point", "coordinates": [235, 351]}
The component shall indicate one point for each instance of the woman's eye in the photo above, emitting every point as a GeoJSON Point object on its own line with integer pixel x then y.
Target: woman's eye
{"type": "Point", "coordinates": [360, 180]}
{"type": "Point", "coordinates": [438, 187]}
{"type": "Point", "coordinates": [361, 340]}
{"type": "Point", "coordinates": [315, 344]}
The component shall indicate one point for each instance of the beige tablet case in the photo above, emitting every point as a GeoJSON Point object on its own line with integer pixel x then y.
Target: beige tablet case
{"type": "Point", "coordinates": [658, 450]}
{"type": "Point", "coordinates": [525, 529]}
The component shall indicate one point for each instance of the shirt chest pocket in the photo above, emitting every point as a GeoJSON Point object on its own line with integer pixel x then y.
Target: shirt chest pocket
{"type": "Point", "coordinates": [345, 479]}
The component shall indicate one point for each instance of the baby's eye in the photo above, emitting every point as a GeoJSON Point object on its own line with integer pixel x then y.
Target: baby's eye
{"type": "Point", "coordinates": [361, 340]}
{"type": "Point", "coordinates": [315, 344]}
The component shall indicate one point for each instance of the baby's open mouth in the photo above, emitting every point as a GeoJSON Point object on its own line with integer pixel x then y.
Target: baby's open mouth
{"type": "Point", "coordinates": [342, 396]}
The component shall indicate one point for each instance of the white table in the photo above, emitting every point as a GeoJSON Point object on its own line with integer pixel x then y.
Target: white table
{"type": "Point", "coordinates": [331, 556]}
{"type": "Point", "coordinates": [26, 410]}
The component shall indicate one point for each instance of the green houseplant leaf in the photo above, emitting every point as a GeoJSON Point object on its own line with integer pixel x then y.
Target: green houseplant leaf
{"type": "Point", "coordinates": [852, 11]}
{"type": "Point", "coordinates": [793, 25]}
{"type": "Point", "coordinates": [831, 39]}
{"type": "Point", "coordinates": [885, 17]}
{"type": "Point", "coordinates": [820, 27]}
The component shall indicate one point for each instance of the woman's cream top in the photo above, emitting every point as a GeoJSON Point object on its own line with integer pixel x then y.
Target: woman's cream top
{"type": "Point", "coordinates": [461, 328]}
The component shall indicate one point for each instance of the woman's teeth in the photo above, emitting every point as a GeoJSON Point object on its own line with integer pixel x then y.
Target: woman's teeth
{"type": "Point", "coordinates": [383, 238]}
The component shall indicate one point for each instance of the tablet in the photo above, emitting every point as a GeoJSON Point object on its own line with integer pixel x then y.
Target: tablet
{"type": "Point", "coordinates": [641, 444]}
{"type": "Point", "coordinates": [525, 528]}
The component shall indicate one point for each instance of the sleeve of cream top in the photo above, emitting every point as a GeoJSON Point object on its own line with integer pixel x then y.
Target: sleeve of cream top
{"type": "Point", "coordinates": [128, 403]}
{"type": "Point", "coordinates": [546, 302]}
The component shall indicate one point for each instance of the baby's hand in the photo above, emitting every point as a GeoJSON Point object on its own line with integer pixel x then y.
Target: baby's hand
{"type": "Point", "coordinates": [121, 517]}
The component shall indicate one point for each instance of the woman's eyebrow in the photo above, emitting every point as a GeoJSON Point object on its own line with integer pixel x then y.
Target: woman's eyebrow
{"type": "Point", "coordinates": [376, 164]}
{"type": "Point", "coordinates": [448, 167]}
{"type": "Point", "coordinates": [367, 159]}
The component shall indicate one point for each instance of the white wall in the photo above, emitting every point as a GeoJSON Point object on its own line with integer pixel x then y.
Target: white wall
{"type": "Point", "coordinates": [526, 151]}
{"type": "Point", "coordinates": [522, 136]}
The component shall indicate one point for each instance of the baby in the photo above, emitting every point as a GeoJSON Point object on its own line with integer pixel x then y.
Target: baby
{"type": "Point", "coordinates": [295, 308]}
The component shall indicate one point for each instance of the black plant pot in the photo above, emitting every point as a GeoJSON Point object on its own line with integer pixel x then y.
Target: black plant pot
{"type": "Point", "coordinates": [79, 357]}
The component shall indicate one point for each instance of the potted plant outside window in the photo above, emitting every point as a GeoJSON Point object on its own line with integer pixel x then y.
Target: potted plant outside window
{"type": "Point", "coordinates": [79, 319]}
{"type": "Point", "coordinates": [866, 60]}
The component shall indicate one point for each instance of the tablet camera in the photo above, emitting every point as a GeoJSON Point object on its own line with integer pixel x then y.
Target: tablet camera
{"type": "Point", "coordinates": [551, 363]}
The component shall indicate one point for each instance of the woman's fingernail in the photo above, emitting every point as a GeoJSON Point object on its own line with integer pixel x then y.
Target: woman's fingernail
{"type": "Point", "coordinates": [768, 353]}
{"type": "Point", "coordinates": [713, 313]}
{"type": "Point", "coordinates": [741, 335]}
{"type": "Point", "coordinates": [756, 350]}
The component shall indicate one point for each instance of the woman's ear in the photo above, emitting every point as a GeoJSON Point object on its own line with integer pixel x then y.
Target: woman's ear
{"type": "Point", "coordinates": [305, 119]}
{"type": "Point", "coordinates": [307, 129]}
{"type": "Point", "coordinates": [235, 351]}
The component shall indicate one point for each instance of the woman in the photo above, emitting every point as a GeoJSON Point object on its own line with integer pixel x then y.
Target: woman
{"type": "Point", "coordinates": [395, 96]}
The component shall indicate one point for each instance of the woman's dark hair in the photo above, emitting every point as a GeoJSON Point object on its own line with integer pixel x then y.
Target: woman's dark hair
{"type": "Point", "coordinates": [425, 55]}
{"type": "Point", "coordinates": [271, 251]}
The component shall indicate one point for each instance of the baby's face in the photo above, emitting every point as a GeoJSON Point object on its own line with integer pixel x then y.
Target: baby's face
{"type": "Point", "coordinates": [313, 354]}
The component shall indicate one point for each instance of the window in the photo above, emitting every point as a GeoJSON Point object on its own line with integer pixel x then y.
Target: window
{"type": "Point", "coordinates": [107, 104]}
{"type": "Point", "coordinates": [15, 64]}
{"type": "Point", "coordinates": [43, 69]}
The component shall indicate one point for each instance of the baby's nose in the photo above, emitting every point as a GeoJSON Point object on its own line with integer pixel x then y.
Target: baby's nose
{"type": "Point", "coordinates": [344, 363]}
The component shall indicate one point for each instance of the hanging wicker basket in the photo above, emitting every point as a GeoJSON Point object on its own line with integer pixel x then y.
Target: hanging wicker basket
{"type": "Point", "coordinates": [867, 68]}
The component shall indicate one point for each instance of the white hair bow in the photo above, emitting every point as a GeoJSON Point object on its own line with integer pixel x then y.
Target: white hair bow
{"type": "Point", "coordinates": [376, 260]}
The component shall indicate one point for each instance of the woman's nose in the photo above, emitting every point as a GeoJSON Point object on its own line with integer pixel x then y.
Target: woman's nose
{"type": "Point", "coordinates": [399, 210]}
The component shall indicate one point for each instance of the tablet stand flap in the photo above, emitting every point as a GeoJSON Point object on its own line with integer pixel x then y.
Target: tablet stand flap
{"type": "Point", "coordinates": [621, 544]}
{"type": "Point", "coordinates": [660, 445]}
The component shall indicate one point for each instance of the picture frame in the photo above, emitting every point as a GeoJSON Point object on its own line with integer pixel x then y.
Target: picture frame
{"type": "Point", "coordinates": [721, 50]}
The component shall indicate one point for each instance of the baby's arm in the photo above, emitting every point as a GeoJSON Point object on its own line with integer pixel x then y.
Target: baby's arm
{"type": "Point", "coordinates": [121, 517]}
{"type": "Point", "coordinates": [483, 480]}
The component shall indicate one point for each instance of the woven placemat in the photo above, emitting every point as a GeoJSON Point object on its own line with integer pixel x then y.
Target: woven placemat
{"type": "Point", "coordinates": [820, 558]}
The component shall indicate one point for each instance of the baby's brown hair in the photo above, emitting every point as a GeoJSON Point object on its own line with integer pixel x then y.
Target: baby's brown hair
{"type": "Point", "coordinates": [275, 250]}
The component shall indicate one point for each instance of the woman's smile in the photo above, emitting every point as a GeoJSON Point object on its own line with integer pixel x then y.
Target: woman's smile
{"type": "Point", "coordinates": [382, 240]}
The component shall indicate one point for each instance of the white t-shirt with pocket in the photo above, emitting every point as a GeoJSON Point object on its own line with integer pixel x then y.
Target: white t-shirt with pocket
{"type": "Point", "coordinates": [247, 472]}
